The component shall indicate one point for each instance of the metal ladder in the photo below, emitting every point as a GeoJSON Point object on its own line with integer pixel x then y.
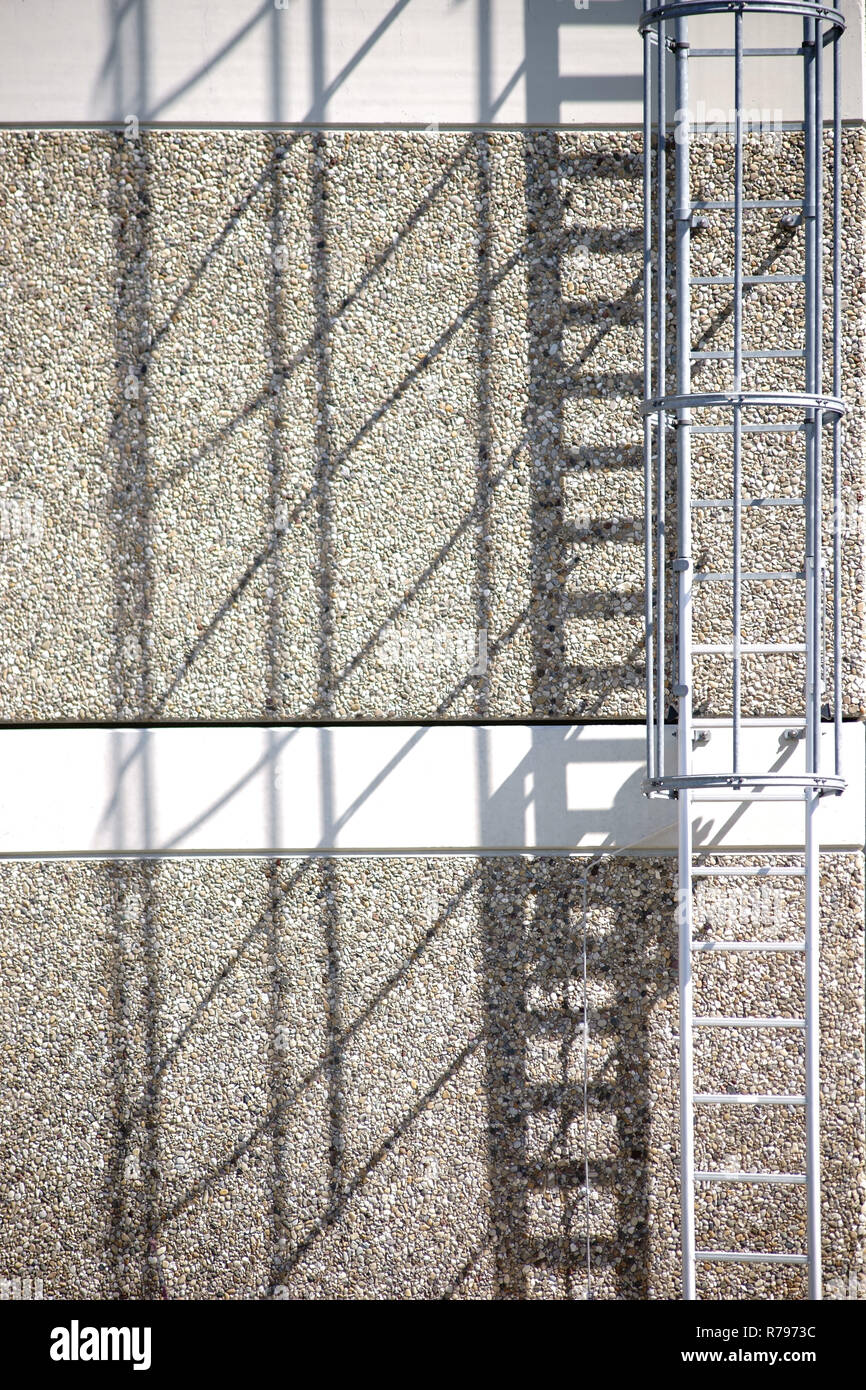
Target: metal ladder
{"type": "Point", "coordinates": [810, 1178]}
{"type": "Point", "coordinates": [728, 415]}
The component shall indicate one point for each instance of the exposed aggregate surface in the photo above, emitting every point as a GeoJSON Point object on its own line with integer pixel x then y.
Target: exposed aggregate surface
{"type": "Point", "coordinates": [347, 425]}
{"type": "Point", "coordinates": [329, 1078]}
{"type": "Point", "coordinates": [288, 423]}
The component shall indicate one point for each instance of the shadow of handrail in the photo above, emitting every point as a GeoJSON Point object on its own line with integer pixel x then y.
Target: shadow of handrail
{"type": "Point", "coordinates": [504, 1046]}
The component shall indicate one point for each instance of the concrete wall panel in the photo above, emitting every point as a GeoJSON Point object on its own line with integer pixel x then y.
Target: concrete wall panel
{"type": "Point", "coordinates": [321, 1079]}
{"type": "Point", "coordinates": [355, 62]}
{"type": "Point", "coordinates": [346, 425]}
{"type": "Point", "coordinates": [505, 788]}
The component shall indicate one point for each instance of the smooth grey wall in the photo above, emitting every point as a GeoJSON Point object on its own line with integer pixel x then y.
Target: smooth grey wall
{"type": "Point", "coordinates": [355, 62]}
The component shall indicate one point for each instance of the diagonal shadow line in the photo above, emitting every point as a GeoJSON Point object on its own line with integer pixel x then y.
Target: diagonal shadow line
{"type": "Point", "coordinates": [434, 351]}
{"type": "Point", "coordinates": [267, 758]}
{"type": "Point", "coordinates": [379, 264]}
{"type": "Point", "coordinates": [498, 643]}
{"type": "Point", "coordinates": [241, 584]}
{"type": "Point", "coordinates": [324, 96]}
{"type": "Point", "coordinates": [494, 647]}
{"type": "Point", "coordinates": [217, 244]}
{"type": "Point", "coordinates": [508, 88]}
{"type": "Point", "coordinates": [366, 1013]}
{"type": "Point", "coordinates": [508, 635]}
{"type": "Point", "coordinates": [630, 296]}
{"type": "Point", "coordinates": [602, 1078]}
{"type": "Point", "coordinates": [429, 569]}
{"type": "Point", "coordinates": [339, 458]}
{"type": "Point", "coordinates": [339, 1040]}
{"type": "Point", "coordinates": [416, 371]}
{"type": "Point", "coordinates": [631, 658]}
{"type": "Point", "coordinates": [117, 19]}
{"type": "Point", "coordinates": [389, 251]}
{"type": "Point", "coordinates": [783, 241]}
{"type": "Point", "coordinates": [259, 925]}
{"type": "Point", "coordinates": [228, 603]}
{"type": "Point", "coordinates": [743, 806]}
{"type": "Point", "coordinates": [342, 455]}
{"type": "Point", "coordinates": [238, 37]}
{"type": "Point", "coordinates": [457, 1280]}
{"type": "Point", "coordinates": [305, 352]}
{"type": "Point", "coordinates": [337, 1207]}
{"type": "Point", "coordinates": [484, 344]}
{"type": "Point", "coordinates": [216, 442]}
{"type": "Point", "coordinates": [137, 751]}
{"type": "Point", "coordinates": [227, 47]}
{"type": "Point", "coordinates": [377, 781]}
{"type": "Point", "coordinates": [413, 958]}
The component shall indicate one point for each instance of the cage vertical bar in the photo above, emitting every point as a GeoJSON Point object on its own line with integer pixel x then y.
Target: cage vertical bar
{"type": "Point", "coordinates": [649, 610]}
{"type": "Point", "coordinates": [737, 411]}
{"type": "Point", "coordinates": [838, 511]}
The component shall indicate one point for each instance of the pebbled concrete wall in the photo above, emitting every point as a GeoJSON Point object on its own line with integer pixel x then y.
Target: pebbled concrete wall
{"type": "Point", "coordinates": [328, 1078]}
{"type": "Point", "coordinates": [346, 425]}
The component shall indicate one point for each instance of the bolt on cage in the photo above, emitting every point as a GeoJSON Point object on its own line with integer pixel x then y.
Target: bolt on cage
{"type": "Point", "coordinates": [729, 415]}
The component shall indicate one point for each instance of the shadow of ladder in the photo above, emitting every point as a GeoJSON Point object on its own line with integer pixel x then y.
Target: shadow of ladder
{"type": "Point", "coordinates": [553, 1151]}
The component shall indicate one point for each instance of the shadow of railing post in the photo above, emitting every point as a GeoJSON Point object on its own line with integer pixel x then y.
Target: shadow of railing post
{"type": "Point", "coordinates": [542, 887]}
{"type": "Point", "coordinates": [275, 920]}
{"type": "Point", "coordinates": [324, 474]}
{"type": "Point", "coordinates": [134, 1168]}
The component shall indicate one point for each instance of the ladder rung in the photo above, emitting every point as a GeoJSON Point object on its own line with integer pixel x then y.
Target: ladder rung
{"type": "Point", "coordinates": [725, 1022]}
{"type": "Point", "coordinates": [749, 280]}
{"type": "Point", "coordinates": [786, 1179]}
{"type": "Point", "coordinates": [748, 870]}
{"type": "Point", "coordinates": [772, 947]}
{"type": "Point", "coordinates": [747, 53]}
{"type": "Point", "coordinates": [769, 427]}
{"type": "Point", "coordinates": [751, 203]}
{"type": "Point", "coordinates": [741, 1098]}
{"type": "Point", "coordinates": [748, 796]}
{"type": "Point", "coordinates": [728, 502]}
{"type": "Point", "coordinates": [749, 1257]}
{"type": "Point", "coordinates": [723, 649]}
{"type": "Point", "coordinates": [748, 722]}
{"type": "Point", "coordinates": [736, 795]}
{"type": "Point", "coordinates": [727, 576]}
{"type": "Point", "coordinates": [723, 355]}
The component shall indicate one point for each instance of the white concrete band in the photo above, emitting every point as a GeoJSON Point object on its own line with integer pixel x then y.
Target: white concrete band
{"type": "Point", "coordinates": [401, 789]}
{"type": "Point", "coordinates": [356, 62]}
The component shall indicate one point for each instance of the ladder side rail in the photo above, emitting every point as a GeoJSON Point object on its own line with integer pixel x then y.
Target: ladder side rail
{"type": "Point", "coordinates": [661, 373]}
{"type": "Point", "coordinates": [650, 600]}
{"type": "Point", "coordinates": [812, 423]}
{"type": "Point", "coordinates": [812, 1048]}
{"type": "Point", "coordinates": [683, 688]}
{"type": "Point", "coordinates": [837, 424]}
{"type": "Point", "coordinates": [737, 595]}
{"type": "Point", "coordinates": [818, 325]}
{"type": "Point", "coordinates": [813, 149]}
